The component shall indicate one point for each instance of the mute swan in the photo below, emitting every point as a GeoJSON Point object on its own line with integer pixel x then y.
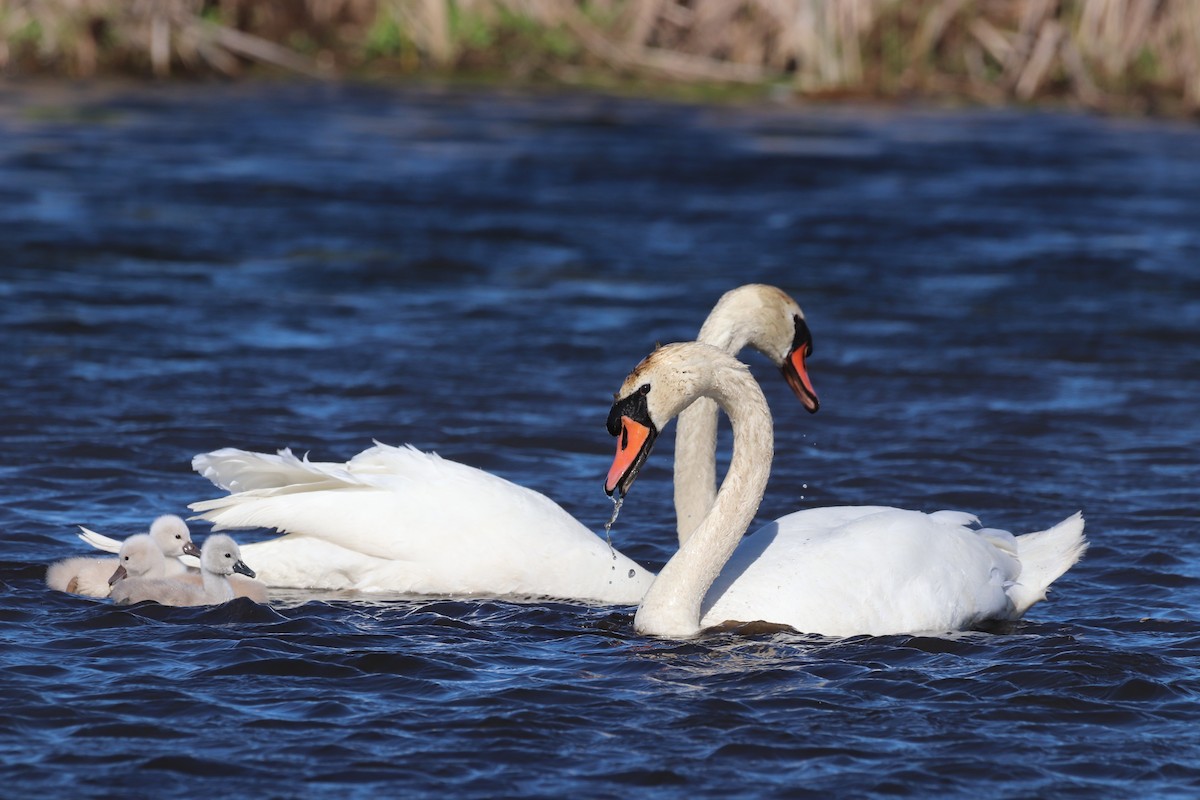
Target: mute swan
{"type": "Point", "coordinates": [252, 588]}
{"type": "Point", "coordinates": [178, 540]}
{"type": "Point", "coordinates": [839, 571]}
{"type": "Point", "coordinates": [169, 531]}
{"type": "Point", "coordinates": [139, 557]}
{"type": "Point", "coordinates": [398, 520]}
{"type": "Point", "coordinates": [219, 558]}
{"type": "Point", "coordinates": [771, 322]}
{"type": "Point", "coordinates": [89, 576]}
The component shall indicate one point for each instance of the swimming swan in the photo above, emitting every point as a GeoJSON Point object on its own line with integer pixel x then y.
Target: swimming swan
{"type": "Point", "coordinates": [838, 571]}
{"type": "Point", "coordinates": [396, 519]}
{"type": "Point", "coordinates": [89, 576]}
{"type": "Point", "coordinates": [177, 539]}
{"type": "Point", "coordinates": [219, 558]}
{"type": "Point", "coordinates": [139, 557]}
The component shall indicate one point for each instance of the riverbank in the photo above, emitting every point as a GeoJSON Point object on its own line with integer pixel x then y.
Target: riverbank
{"type": "Point", "coordinates": [1120, 56]}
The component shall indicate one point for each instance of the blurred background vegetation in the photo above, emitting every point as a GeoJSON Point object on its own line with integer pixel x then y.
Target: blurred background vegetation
{"type": "Point", "coordinates": [1128, 56]}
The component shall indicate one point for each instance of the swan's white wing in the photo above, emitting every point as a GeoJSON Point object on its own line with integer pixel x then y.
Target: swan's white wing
{"type": "Point", "coordinates": [241, 470]}
{"type": "Point", "coordinates": [406, 521]}
{"type": "Point", "coordinates": [99, 540]}
{"type": "Point", "coordinates": [852, 570]}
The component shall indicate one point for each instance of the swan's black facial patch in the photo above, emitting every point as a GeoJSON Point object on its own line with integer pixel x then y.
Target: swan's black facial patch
{"type": "Point", "coordinates": [634, 406]}
{"type": "Point", "coordinates": [794, 370]}
{"type": "Point", "coordinates": [629, 420]}
{"type": "Point", "coordinates": [803, 337]}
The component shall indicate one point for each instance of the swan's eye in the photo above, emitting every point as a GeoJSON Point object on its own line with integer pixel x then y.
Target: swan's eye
{"type": "Point", "coordinates": [178, 537]}
{"type": "Point", "coordinates": [126, 558]}
{"type": "Point", "coordinates": [645, 388]}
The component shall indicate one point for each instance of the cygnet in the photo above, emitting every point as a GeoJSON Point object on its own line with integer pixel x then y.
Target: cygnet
{"type": "Point", "coordinates": [219, 558]}
{"type": "Point", "coordinates": [172, 535]}
{"type": "Point", "coordinates": [140, 557]}
{"type": "Point", "coordinates": [89, 576]}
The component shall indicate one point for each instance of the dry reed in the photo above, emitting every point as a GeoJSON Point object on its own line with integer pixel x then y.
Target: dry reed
{"type": "Point", "coordinates": [1131, 54]}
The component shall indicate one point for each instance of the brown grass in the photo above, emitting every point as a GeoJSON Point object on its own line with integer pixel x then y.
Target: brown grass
{"type": "Point", "coordinates": [1125, 54]}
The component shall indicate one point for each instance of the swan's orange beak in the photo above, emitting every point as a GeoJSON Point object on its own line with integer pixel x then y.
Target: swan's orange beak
{"type": "Point", "coordinates": [794, 371]}
{"type": "Point", "coordinates": [632, 448]}
{"type": "Point", "coordinates": [796, 375]}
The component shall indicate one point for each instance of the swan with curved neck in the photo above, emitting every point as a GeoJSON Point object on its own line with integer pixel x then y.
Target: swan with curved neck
{"type": "Point", "coordinates": [399, 520]}
{"type": "Point", "coordinates": [838, 571]}
{"type": "Point", "coordinates": [766, 319]}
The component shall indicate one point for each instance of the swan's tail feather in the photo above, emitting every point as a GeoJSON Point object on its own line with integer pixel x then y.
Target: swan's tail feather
{"type": "Point", "coordinates": [1046, 555]}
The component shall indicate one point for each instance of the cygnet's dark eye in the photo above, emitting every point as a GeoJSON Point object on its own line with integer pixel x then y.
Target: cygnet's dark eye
{"type": "Point", "coordinates": [126, 558]}
{"type": "Point", "coordinates": [645, 388]}
{"type": "Point", "coordinates": [178, 536]}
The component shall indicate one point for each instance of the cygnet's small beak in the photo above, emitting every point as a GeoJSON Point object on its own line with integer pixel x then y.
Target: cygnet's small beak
{"type": "Point", "coordinates": [119, 575]}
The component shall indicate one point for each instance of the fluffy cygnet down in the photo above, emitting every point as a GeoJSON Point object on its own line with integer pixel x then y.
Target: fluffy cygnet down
{"type": "Point", "coordinates": [172, 535]}
{"type": "Point", "coordinates": [140, 557]}
{"type": "Point", "coordinates": [219, 558]}
{"type": "Point", "coordinates": [89, 576]}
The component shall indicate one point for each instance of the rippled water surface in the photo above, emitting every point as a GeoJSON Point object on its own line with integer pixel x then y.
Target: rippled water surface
{"type": "Point", "coordinates": [1005, 311]}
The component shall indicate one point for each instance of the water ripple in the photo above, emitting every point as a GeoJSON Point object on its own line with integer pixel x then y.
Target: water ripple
{"type": "Point", "coordinates": [1004, 310]}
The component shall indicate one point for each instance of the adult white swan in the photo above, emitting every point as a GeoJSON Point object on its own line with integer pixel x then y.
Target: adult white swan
{"type": "Point", "coordinates": [395, 519]}
{"type": "Point", "coordinates": [837, 571]}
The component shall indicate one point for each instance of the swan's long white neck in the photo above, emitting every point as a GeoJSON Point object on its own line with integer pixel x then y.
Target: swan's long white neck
{"type": "Point", "coordinates": [671, 607]}
{"type": "Point", "coordinates": [695, 465]}
{"type": "Point", "coordinates": [696, 431]}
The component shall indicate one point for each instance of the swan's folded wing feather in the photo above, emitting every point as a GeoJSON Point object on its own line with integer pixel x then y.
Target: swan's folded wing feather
{"type": "Point", "coordinates": [99, 540]}
{"type": "Point", "coordinates": [951, 517]}
{"type": "Point", "coordinates": [847, 570]}
{"type": "Point", "coordinates": [241, 470]}
{"type": "Point", "coordinates": [461, 528]}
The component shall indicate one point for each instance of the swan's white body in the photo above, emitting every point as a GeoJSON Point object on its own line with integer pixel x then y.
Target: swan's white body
{"type": "Point", "coordinates": [873, 570]}
{"type": "Point", "coordinates": [219, 558]}
{"type": "Point", "coordinates": [838, 571]}
{"type": "Point", "coordinates": [394, 519]}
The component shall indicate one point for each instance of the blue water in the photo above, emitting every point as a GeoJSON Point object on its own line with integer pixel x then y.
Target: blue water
{"type": "Point", "coordinates": [1005, 310]}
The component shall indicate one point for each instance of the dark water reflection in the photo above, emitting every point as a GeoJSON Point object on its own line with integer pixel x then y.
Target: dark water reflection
{"type": "Point", "coordinates": [1005, 310]}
